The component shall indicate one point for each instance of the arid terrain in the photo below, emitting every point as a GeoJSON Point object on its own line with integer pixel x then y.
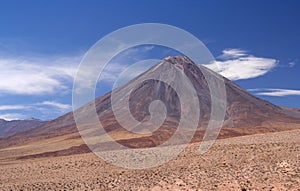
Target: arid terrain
{"type": "Point", "coordinates": [258, 147]}
{"type": "Point", "coordinates": [157, 95]}
{"type": "Point", "coordinates": [254, 162]}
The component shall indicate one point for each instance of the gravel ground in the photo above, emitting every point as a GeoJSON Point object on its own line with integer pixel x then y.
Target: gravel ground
{"type": "Point", "coordinates": [257, 162]}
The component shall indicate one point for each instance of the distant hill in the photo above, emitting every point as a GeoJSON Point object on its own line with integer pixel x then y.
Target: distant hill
{"type": "Point", "coordinates": [9, 127]}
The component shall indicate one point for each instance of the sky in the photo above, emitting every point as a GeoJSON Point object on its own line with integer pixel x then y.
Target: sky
{"type": "Point", "coordinates": [255, 43]}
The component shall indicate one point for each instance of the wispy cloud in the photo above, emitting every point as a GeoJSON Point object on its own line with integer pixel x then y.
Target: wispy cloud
{"type": "Point", "coordinates": [125, 60]}
{"type": "Point", "coordinates": [88, 74]}
{"type": "Point", "coordinates": [232, 53]}
{"type": "Point", "coordinates": [57, 105]}
{"type": "Point", "coordinates": [111, 72]}
{"type": "Point", "coordinates": [236, 64]}
{"type": "Point", "coordinates": [291, 64]}
{"type": "Point", "coordinates": [36, 75]}
{"type": "Point", "coordinates": [46, 76]}
{"type": "Point", "coordinates": [45, 107]}
{"type": "Point", "coordinates": [12, 116]}
{"type": "Point", "coordinates": [275, 92]}
{"type": "Point", "coordinates": [12, 107]}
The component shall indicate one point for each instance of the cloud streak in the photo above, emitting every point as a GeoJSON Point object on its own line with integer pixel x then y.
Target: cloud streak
{"type": "Point", "coordinates": [236, 64]}
{"type": "Point", "coordinates": [12, 116]}
{"type": "Point", "coordinates": [275, 92]}
{"type": "Point", "coordinates": [291, 64]}
{"type": "Point", "coordinates": [12, 107]}
{"type": "Point", "coordinates": [36, 76]}
{"type": "Point", "coordinates": [232, 53]}
{"type": "Point", "coordinates": [123, 61]}
{"type": "Point", "coordinates": [13, 112]}
{"type": "Point", "coordinates": [57, 105]}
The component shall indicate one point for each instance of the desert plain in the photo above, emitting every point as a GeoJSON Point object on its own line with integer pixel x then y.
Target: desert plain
{"type": "Point", "coordinates": [266, 161]}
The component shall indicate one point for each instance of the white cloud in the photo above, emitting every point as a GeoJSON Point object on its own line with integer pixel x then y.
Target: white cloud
{"type": "Point", "coordinates": [36, 76]}
{"type": "Point", "coordinates": [275, 92]}
{"type": "Point", "coordinates": [12, 107]}
{"type": "Point", "coordinates": [125, 60]}
{"type": "Point", "coordinates": [53, 104]}
{"type": "Point", "coordinates": [232, 53]}
{"type": "Point", "coordinates": [291, 64]}
{"type": "Point", "coordinates": [111, 72]}
{"type": "Point", "coordinates": [60, 106]}
{"type": "Point", "coordinates": [45, 107]}
{"type": "Point", "coordinates": [237, 65]}
{"type": "Point", "coordinates": [12, 116]}
{"type": "Point", "coordinates": [86, 77]}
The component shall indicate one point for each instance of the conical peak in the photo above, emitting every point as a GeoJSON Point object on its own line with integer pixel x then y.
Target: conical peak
{"type": "Point", "coordinates": [178, 60]}
{"type": "Point", "coordinates": [182, 62]}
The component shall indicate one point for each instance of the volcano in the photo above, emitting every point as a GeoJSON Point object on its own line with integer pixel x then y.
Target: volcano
{"type": "Point", "coordinates": [244, 113]}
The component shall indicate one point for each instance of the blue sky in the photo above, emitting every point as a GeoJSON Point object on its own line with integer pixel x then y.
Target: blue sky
{"type": "Point", "coordinates": [257, 44]}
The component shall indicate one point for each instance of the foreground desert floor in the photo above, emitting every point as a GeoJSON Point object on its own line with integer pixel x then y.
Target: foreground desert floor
{"type": "Point", "coordinates": [257, 162]}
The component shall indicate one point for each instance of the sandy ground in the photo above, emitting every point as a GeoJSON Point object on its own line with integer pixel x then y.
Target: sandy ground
{"type": "Point", "coordinates": [257, 162]}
